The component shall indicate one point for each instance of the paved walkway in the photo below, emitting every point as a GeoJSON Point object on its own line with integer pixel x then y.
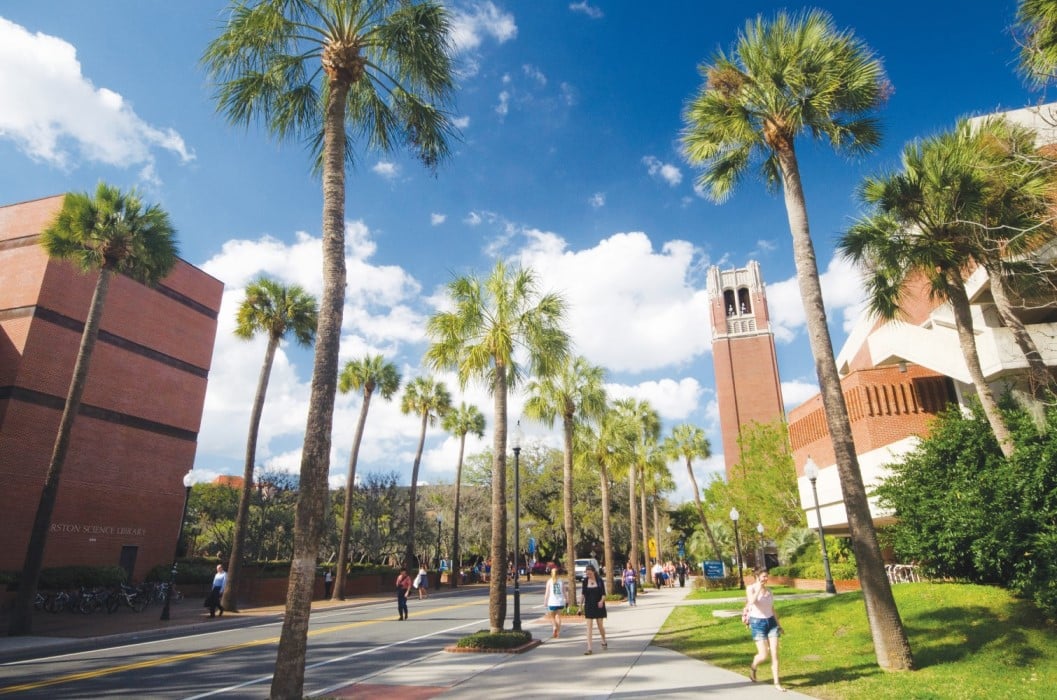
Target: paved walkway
{"type": "Point", "coordinates": [630, 667]}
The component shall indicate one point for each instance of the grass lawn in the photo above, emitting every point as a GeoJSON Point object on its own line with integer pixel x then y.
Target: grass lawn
{"type": "Point", "coordinates": [968, 642]}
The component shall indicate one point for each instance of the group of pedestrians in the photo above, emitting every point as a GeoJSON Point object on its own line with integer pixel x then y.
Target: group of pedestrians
{"type": "Point", "coordinates": [592, 602]}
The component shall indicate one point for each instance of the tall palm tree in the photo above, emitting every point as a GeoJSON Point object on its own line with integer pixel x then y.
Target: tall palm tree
{"type": "Point", "coordinates": [648, 428]}
{"type": "Point", "coordinates": [428, 399]}
{"type": "Point", "coordinates": [460, 422]}
{"type": "Point", "coordinates": [1037, 36]}
{"type": "Point", "coordinates": [687, 442]}
{"type": "Point", "coordinates": [492, 320]}
{"type": "Point", "coordinates": [368, 374]}
{"type": "Point", "coordinates": [923, 224]}
{"type": "Point", "coordinates": [310, 70]}
{"type": "Point", "coordinates": [276, 310]}
{"type": "Point", "coordinates": [791, 76]}
{"type": "Point", "coordinates": [576, 391]}
{"type": "Point", "coordinates": [110, 233]}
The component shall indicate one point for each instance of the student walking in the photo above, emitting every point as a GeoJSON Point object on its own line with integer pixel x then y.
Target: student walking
{"type": "Point", "coordinates": [555, 598]}
{"type": "Point", "coordinates": [403, 585]}
{"type": "Point", "coordinates": [631, 580]}
{"type": "Point", "coordinates": [220, 582]}
{"type": "Point", "coordinates": [422, 583]}
{"type": "Point", "coordinates": [763, 623]}
{"type": "Point", "coordinates": [593, 599]}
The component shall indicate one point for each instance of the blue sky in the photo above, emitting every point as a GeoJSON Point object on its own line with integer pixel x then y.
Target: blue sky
{"type": "Point", "coordinates": [569, 161]}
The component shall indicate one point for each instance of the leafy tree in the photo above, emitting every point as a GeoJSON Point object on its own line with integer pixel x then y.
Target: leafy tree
{"type": "Point", "coordinates": [384, 69]}
{"type": "Point", "coordinates": [575, 393]}
{"type": "Point", "coordinates": [762, 485]}
{"type": "Point", "coordinates": [648, 430]}
{"type": "Point", "coordinates": [1037, 37]}
{"type": "Point", "coordinates": [276, 310]}
{"type": "Point", "coordinates": [687, 442]}
{"type": "Point", "coordinates": [429, 400]}
{"type": "Point", "coordinates": [368, 374]}
{"type": "Point", "coordinates": [490, 320]}
{"type": "Point", "coordinates": [110, 233]}
{"type": "Point", "coordinates": [784, 78]}
{"type": "Point", "coordinates": [461, 421]}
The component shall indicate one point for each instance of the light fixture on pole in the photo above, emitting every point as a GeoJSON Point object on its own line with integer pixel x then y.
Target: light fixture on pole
{"type": "Point", "coordinates": [811, 472]}
{"type": "Point", "coordinates": [188, 481]}
{"type": "Point", "coordinates": [517, 524]}
{"type": "Point", "coordinates": [737, 543]}
{"type": "Point", "coordinates": [668, 539]}
{"type": "Point", "coordinates": [760, 563]}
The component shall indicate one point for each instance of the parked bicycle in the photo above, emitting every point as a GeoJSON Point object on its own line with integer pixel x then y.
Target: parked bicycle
{"type": "Point", "coordinates": [129, 596]}
{"type": "Point", "coordinates": [92, 599]}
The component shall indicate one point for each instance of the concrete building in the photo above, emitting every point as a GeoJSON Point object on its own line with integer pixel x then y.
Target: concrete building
{"type": "Point", "coordinates": [747, 385]}
{"type": "Point", "coordinates": [121, 493]}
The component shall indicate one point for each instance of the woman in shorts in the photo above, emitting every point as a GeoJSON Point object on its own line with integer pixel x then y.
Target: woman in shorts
{"type": "Point", "coordinates": [555, 598]}
{"type": "Point", "coordinates": [763, 623]}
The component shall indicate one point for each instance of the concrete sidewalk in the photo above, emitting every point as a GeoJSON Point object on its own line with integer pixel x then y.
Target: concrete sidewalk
{"type": "Point", "coordinates": [630, 668]}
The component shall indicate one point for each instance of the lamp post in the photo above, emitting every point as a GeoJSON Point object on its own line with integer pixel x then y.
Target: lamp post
{"type": "Point", "coordinates": [760, 563]}
{"type": "Point", "coordinates": [737, 543]}
{"type": "Point", "coordinates": [517, 524]}
{"type": "Point", "coordinates": [188, 481]}
{"type": "Point", "coordinates": [668, 539]}
{"type": "Point", "coordinates": [811, 472]}
{"type": "Point", "coordinates": [440, 519]}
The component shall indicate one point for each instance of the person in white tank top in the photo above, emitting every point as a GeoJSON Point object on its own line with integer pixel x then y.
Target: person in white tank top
{"type": "Point", "coordinates": [763, 623]}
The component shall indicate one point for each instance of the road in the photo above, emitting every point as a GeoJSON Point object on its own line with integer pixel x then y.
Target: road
{"type": "Point", "coordinates": [345, 645]}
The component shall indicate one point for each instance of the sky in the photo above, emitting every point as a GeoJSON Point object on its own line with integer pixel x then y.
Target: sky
{"type": "Point", "coordinates": [568, 161]}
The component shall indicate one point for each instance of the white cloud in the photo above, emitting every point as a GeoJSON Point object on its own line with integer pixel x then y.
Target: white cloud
{"type": "Point", "coordinates": [674, 400]}
{"type": "Point", "coordinates": [841, 292]}
{"type": "Point", "coordinates": [471, 24]}
{"type": "Point", "coordinates": [437, 219]}
{"type": "Point", "coordinates": [797, 391]}
{"type": "Point", "coordinates": [631, 308]}
{"type": "Point", "coordinates": [665, 171]}
{"type": "Point", "coordinates": [55, 114]}
{"type": "Point", "coordinates": [568, 94]}
{"type": "Point", "coordinates": [504, 104]}
{"type": "Point", "coordinates": [597, 200]}
{"type": "Point", "coordinates": [460, 122]}
{"type": "Point", "coordinates": [386, 169]}
{"type": "Point", "coordinates": [534, 73]}
{"type": "Point", "coordinates": [472, 219]}
{"type": "Point", "coordinates": [589, 10]}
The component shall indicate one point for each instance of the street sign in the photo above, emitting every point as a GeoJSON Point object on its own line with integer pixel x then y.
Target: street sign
{"type": "Point", "coordinates": [712, 568]}
{"type": "Point", "coordinates": [532, 545]}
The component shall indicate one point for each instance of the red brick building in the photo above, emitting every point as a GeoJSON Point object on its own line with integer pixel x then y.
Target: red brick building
{"type": "Point", "coordinates": [746, 366]}
{"type": "Point", "coordinates": [134, 439]}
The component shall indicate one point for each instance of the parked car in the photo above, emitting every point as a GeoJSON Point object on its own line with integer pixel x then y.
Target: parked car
{"type": "Point", "coordinates": [581, 566]}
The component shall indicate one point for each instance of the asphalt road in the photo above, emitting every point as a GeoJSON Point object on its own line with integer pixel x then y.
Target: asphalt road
{"type": "Point", "coordinates": [345, 645]}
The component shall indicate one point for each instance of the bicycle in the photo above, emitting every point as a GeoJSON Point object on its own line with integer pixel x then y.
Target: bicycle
{"type": "Point", "coordinates": [58, 602]}
{"type": "Point", "coordinates": [129, 596]}
{"type": "Point", "coordinates": [92, 600]}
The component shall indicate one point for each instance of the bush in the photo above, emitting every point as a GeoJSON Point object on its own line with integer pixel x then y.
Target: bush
{"type": "Point", "coordinates": [68, 577]}
{"type": "Point", "coordinates": [483, 639]}
{"type": "Point", "coordinates": [715, 584]}
{"type": "Point", "coordinates": [187, 572]}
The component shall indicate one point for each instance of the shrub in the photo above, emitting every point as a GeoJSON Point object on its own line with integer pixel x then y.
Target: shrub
{"type": "Point", "coordinates": [715, 584]}
{"type": "Point", "coordinates": [187, 572]}
{"type": "Point", "coordinates": [483, 639]}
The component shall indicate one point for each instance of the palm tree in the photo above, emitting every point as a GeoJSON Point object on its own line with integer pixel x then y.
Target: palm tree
{"type": "Point", "coordinates": [383, 69]}
{"type": "Point", "coordinates": [788, 77]}
{"type": "Point", "coordinates": [428, 399]}
{"type": "Point", "coordinates": [492, 319]}
{"type": "Point", "coordinates": [1037, 30]}
{"type": "Point", "coordinates": [925, 224]}
{"type": "Point", "coordinates": [465, 419]}
{"type": "Point", "coordinates": [368, 374]}
{"type": "Point", "coordinates": [576, 391]}
{"type": "Point", "coordinates": [110, 233]}
{"type": "Point", "coordinates": [276, 310]}
{"type": "Point", "coordinates": [687, 442]}
{"type": "Point", "coordinates": [648, 429]}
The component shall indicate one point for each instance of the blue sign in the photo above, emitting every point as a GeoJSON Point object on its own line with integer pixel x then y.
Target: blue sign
{"type": "Point", "coordinates": [443, 565]}
{"type": "Point", "coordinates": [712, 568]}
{"type": "Point", "coordinates": [532, 545]}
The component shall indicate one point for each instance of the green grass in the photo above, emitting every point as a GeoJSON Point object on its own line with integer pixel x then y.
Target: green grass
{"type": "Point", "coordinates": [705, 594]}
{"type": "Point", "coordinates": [483, 639]}
{"type": "Point", "coordinates": [968, 642]}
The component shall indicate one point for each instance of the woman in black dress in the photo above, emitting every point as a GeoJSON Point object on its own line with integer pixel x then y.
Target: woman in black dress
{"type": "Point", "coordinates": [593, 600]}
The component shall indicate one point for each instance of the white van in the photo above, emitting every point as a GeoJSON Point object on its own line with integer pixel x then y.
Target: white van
{"type": "Point", "coordinates": [581, 566]}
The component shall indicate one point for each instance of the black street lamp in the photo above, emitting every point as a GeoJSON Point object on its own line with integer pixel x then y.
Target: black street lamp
{"type": "Point", "coordinates": [440, 519]}
{"type": "Point", "coordinates": [761, 562]}
{"type": "Point", "coordinates": [811, 472]}
{"type": "Point", "coordinates": [737, 543]}
{"type": "Point", "coordinates": [517, 524]}
{"type": "Point", "coordinates": [172, 574]}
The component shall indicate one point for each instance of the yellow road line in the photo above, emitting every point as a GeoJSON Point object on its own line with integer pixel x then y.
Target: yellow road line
{"type": "Point", "coordinates": [112, 670]}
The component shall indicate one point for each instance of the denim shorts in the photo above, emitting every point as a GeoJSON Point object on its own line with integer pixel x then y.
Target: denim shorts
{"type": "Point", "coordinates": [763, 627]}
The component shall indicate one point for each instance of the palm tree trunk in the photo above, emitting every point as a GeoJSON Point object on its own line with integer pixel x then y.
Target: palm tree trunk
{"type": "Point", "coordinates": [656, 526]}
{"type": "Point", "coordinates": [242, 518]}
{"type": "Point", "coordinates": [886, 628]}
{"type": "Point", "coordinates": [963, 321]}
{"type": "Point", "coordinates": [607, 538]}
{"type": "Point", "coordinates": [645, 517]}
{"type": "Point", "coordinates": [22, 612]}
{"type": "Point", "coordinates": [310, 520]}
{"type": "Point", "coordinates": [497, 584]}
{"type": "Point", "coordinates": [701, 511]}
{"type": "Point", "coordinates": [350, 486]}
{"type": "Point", "coordinates": [456, 567]}
{"type": "Point", "coordinates": [633, 517]}
{"type": "Point", "coordinates": [409, 553]}
{"type": "Point", "coordinates": [567, 498]}
{"type": "Point", "coordinates": [1040, 381]}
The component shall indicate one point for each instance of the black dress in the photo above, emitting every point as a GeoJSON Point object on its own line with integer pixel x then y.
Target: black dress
{"type": "Point", "coordinates": [591, 596]}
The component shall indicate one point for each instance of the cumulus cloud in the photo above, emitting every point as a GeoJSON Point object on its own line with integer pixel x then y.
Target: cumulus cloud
{"type": "Point", "coordinates": [585, 8]}
{"type": "Point", "coordinates": [472, 23]}
{"type": "Point", "coordinates": [674, 399]}
{"type": "Point", "coordinates": [437, 219]}
{"type": "Point", "coordinates": [841, 291]}
{"type": "Point", "coordinates": [55, 114]}
{"type": "Point", "coordinates": [460, 122]}
{"type": "Point", "coordinates": [503, 106]}
{"type": "Point", "coordinates": [797, 391]}
{"type": "Point", "coordinates": [386, 169]}
{"type": "Point", "coordinates": [663, 171]}
{"type": "Point", "coordinates": [534, 73]}
{"type": "Point", "coordinates": [597, 200]}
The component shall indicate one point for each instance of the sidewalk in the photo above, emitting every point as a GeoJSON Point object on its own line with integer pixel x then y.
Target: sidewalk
{"type": "Point", "coordinates": [630, 668]}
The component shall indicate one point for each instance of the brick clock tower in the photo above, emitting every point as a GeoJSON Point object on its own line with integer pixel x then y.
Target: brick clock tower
{"type": "Point", "coordinates": [743, 354]}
